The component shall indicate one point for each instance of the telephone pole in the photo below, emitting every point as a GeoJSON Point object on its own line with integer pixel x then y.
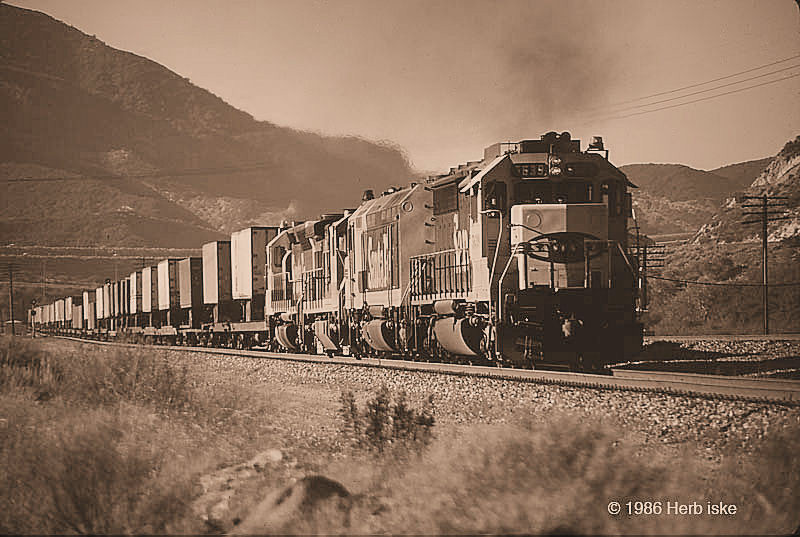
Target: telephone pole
{"type": "Point", "coordinates": [44, 281]}
{"type": "Point", "coordinates": [765, 214]}
{"type": "Point", "coordinates": [11, 297]}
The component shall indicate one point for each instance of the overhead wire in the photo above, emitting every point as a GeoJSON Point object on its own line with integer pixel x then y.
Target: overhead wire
{"type": "Point", "coordinates": [738, 90]}
{"type": "Point", "coordinates": [149, 175]}
{"type": "Point", "coordinates": [698, 84]}
{"type": "Point", "coordinates": [604, 114]}
{"type": "Point", "coordinates": [709, 89]}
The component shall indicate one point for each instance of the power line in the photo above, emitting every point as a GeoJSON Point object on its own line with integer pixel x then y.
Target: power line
{"type": "Point", "coordinates": [708, 89]}
{"type": "Point", "coordinates": [113, 248]}
{"type": "Point", "coordinates": [78, 256]}
{"type": "Point", "coordinates": [698, 84]}
{"type": "Point", "coordinates": [57, 283]}
{"type": "Point", "coordinates": [738, 90]}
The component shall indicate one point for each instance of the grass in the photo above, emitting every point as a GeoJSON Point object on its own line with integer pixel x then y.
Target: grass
{"type": "Point", "coordinates": [96, 441]}
{"type": "Point", "coordinates": [556, 475]}
{"type": "Point", "coordinates": [112, 442]}
{"type": "Point", "coordinates": [90, 473]}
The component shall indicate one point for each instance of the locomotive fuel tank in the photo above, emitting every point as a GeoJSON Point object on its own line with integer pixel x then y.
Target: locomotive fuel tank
{"type": "Point", "coordinates": [287, 336]}
{"type": "Point", "coordinates": [459, 336]}
{"type": "Point", "coordinates": [379, 334]}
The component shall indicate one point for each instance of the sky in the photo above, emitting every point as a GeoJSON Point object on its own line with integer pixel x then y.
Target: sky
{"type": "Point", "coordinates": [442, 79]}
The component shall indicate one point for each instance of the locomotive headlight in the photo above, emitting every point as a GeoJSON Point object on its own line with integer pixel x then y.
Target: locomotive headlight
{"type": "Point", "coordinates": [555, 170]}
{"type": "Point", "coordinates": [555, 161]}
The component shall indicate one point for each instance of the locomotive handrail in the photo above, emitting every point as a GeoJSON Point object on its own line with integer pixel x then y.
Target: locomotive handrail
{"type": "Point", "coordinates": [441, 275]}
{"type": "Point", "coordinates": [283, 291]}
{"type": "Point", "coordinates": [315, 286]}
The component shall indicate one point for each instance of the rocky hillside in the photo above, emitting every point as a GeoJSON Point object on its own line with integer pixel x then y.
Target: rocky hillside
{"type": "Point", "coordinates": [780, 178]}
{"type": "Point", "coordinates": [152, 147]}
{"type": "Point", "coordinates": [725, 251]}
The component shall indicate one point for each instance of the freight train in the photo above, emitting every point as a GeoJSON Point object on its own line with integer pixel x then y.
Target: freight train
{"type": "Point", "coordinates": [523, 258]}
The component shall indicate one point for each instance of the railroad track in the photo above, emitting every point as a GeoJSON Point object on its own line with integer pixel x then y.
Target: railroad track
{"type": "Point", "coordinates": [725, 337]}
{"type": "Point", "coordinates": [785, 392]}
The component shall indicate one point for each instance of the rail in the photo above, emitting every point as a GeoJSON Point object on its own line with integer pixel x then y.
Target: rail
{"type": "Point", "coordinates": [441, 275]}
{"type": "Point", "coordinates": [708, 386]}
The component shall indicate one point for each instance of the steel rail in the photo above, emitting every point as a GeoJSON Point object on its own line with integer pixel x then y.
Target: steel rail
{"type": "Point", "coordinates": [773, 391]}
{"type": "Point", "coordinates": [725, 337]}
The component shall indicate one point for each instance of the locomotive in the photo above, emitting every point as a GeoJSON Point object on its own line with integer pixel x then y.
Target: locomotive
{"type": "Point", "coordinates": [522, 258]}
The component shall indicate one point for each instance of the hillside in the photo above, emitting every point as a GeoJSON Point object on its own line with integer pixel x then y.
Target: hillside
{"type": "Point", "coordinates": [677, 182]}
{"type": "Point", "coordinates": [726, 251]}
{"type": "Point", "coordinates": [77, 107]}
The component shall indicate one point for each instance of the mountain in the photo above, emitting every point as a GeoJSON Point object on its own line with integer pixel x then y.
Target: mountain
{"type": "Point", "coordinates": [142, 145]}
{"type": "Point", "coordinates": [677, 182]}
{"type": "Point", "coordinates": [673, 198]}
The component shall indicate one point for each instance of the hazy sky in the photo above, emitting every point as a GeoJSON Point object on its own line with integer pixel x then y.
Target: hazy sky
{"type": "Point", "coordinates": [444, 79]}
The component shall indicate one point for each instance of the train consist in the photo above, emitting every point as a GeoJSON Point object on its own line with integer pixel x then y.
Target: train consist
{"type": "Point", "coordinates": [522, 258]}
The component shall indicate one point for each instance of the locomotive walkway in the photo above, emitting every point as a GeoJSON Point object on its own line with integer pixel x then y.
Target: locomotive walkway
{"type": "Point", "coordinates": [775, 391]}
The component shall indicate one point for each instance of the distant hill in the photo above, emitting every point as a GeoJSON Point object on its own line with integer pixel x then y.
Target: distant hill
{"type": "Point", "coordinates": [673, 198]}
{"type": "Point", "coordinates": [74, 106]}
{"type": "Point", "coordinates": [677, 182]}
{"type": "Point", "coordinates": [743, 174]}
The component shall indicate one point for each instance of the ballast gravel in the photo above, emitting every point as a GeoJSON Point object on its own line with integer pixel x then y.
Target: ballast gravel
{"type": "Point", "coordinates": [661, 418]}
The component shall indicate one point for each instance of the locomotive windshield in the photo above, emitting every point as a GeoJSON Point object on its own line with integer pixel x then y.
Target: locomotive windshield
{"type": "Point", "coordinates": [550, 192]}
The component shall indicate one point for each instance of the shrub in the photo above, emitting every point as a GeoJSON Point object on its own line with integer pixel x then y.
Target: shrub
{"type": "Point", "coordinates": [86, 473]}
{"type": "Point", "coordinates": [24, 364]}
{"type": "Point", "coordinates": [97, 377]}
{"type": "Point", "coordinates": [384, 423]}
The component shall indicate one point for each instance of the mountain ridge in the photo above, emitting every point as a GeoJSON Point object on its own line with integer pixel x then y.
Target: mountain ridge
{"type": "Point", "coordinates": [676, 198]}
{"type": "Point", "coordinates": [82, 107]}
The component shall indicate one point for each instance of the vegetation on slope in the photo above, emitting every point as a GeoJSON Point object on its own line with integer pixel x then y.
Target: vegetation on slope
{"type": "Point", "coordinates": [732, 308]}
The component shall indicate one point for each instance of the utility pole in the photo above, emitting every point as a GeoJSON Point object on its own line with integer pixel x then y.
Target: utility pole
{"type": "Point", "coordinates": [11, 296]}
{"type": "Point", "coordinates": [44, 281]}
{"type": "Point", "coordinates": [766, 205]}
